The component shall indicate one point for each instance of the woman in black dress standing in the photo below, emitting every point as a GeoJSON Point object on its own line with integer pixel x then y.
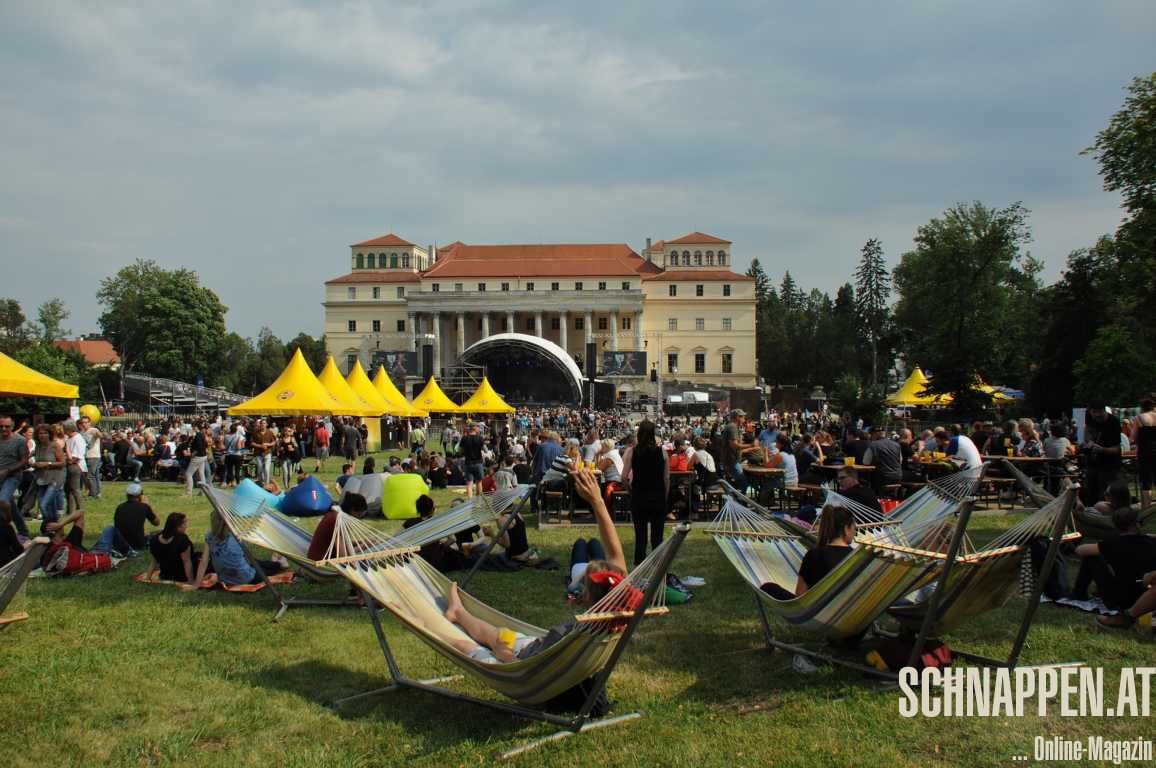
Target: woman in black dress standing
{"type": "Point", "coordinates": [646, 466]}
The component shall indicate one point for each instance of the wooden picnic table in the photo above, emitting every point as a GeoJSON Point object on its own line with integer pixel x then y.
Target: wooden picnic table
{"type": "Point", "coordinates": [754, 470]}
{"type": "Point", "coordinates": [837, 467]}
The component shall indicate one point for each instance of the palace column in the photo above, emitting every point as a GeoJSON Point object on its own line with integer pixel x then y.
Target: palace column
{"type": "Point", "coordinates": [411, 318]}
{"type": "Point", "coordinates": [614, 331]}
{"type": "Point", "coordinates": [588, 325]}
{"type": "Point", "coordinates": [538, 323]}
{"type": "Point", "coordinates": [638, 331]}
{"type": "Point", "coordinates": [436, 330]}
{"type": "Point", "coordinates": [510, 323]}
{"type": "Point", "coordinates": [563, 321]}
{"type": "Point", "coordinates": [485, 325]}
{"type": "Point", "coordinates": [461, 334]}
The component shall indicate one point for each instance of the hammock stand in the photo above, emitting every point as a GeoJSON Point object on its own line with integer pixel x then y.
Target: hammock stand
{"type": "Point", "coordinates": [582, 720]}
{"type": "Point", "coordinates": [313, 570]}
{"type": "Point", "coordinates": [15, 573]}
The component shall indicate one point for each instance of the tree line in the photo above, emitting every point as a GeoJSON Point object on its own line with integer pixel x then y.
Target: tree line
{"type": "Point", "coordinates": [968, 304]}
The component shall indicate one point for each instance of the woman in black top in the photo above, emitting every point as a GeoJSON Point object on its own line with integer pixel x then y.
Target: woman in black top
{"type": "Point", "coordinates": [1144, 438]}
{"type": "Point", "coordinates": [645, 464]}
{"type": "Point", "coordinates": [172, 551]}
{"type": "Point", "coordinates": [836, 532]}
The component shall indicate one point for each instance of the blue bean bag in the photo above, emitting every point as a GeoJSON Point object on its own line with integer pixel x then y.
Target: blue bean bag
{"type": "Point", "coordinates": [308, 499]}
{"type": "Point", "coordinates": [249, 496]}
{"type": "Point", "coordinates": [399, 496]}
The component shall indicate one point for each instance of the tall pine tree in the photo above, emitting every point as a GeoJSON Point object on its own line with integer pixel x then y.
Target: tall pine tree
{"type": "Point", "coordinates": [873, 290]}
{"type": "Point", "coordinates": [762, 282]}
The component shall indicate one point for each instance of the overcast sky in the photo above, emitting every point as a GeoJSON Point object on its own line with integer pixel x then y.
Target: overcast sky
{"type": "Point", "coordinates": [254, 141]}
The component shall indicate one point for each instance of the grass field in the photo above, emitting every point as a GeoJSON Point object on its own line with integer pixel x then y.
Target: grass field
{"type": "Point", "coordinates": [111, 672]}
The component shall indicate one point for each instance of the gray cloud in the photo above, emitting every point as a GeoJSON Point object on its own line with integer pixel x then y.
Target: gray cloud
{"type": "Point", "coordinates": [254, 142]}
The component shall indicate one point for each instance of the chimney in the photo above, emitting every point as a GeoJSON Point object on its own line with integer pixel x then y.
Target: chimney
{"type": "Point", "coordinates": [648, 249]}
{"type": "Point", "coordinates": [433, 254]}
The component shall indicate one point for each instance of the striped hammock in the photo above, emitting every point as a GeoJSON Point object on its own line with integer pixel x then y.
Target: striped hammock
{"type": "Point", "coordinates": [983, 579]}
{"type": "Point", "coordinates": [15, 572]}
{"type": "Point", "coordinates": [847, 599]}
{"type": "Point", "coordinates": [254, 522]}
{"type": "Point", "coordinates": [415, 593]}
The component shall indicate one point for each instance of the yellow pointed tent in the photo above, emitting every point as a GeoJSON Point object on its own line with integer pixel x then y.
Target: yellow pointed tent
{"type": "Point", "coordinates": [485, 400]}
{"type": "Point", "coordinates": [1000, 398]}
{"type": "Point", "coordinates": [350, 404]}
{"type": "Point", "coordinates": [432, 399]}
{"type": "Point", "coordinates": [909, 393]}
{"type": "Point", "coordinates": [399, 406]}
{"type": "Point", "coordinates": [296, 392]}
{"type": "Point", "coordinates": [363, 388]}
{"type": "Point", "coordinates": [18, 380]}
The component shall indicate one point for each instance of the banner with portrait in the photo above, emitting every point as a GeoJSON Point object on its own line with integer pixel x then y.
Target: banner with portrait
{"type": "Point", "coordinates": [398, 365]}
{"type": "Point", "coordinates": [623, 363]}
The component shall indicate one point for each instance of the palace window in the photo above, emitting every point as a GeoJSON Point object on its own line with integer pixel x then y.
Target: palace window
{"type": "Point", "coordinates": [401, 326]}
{"type": "Point", "coordinates": [579, 323]}
{"type": "Point", "coordinates": [700, 362]}
{"type": "Point", "coordinates": [726, 324]}
{"type": "Point", "coordinates": [722, 258]}
{"type": "Point", "coordinates": [698, 290]}
{"type": "Point", "coordinates": [626, 285]}
{"type": "Point", "coordinates": [672, 362]}
{"type": "Point", "coordinates": [529, 286]}
{"type": "Point", "coordinates": [401, 292]}
{"type": "Point", "coordinates": [505, 324]}
{"type": "Point", "coordinates": [369, 261]}
{"type": "Point", "coordinates": [505, 286]}
{"type": "Point", "coordinates": [686, 258]}
{"type": "Point", "coordinates": [529, 323]}
{"type": "Point", "coordinates": [481, 287]}
{"type": "Point", "coordinates": [359, 262]}
{"type": "Point", "coordinates": [602, 286]}
{"type": "Point", "coordinates": [673, 289]}
{"type": "Point", "coordinates": [553, 286]}
{"type": "Point", "coordinates": [350, 361]}
{"type": "Point", "coordinates": [405, 261]}
{"type": "Point", "coordinates": [555, 324]}
{"type": "Point", "coordinates": [627, 322]}
{"type": "Point", "coordinates": [602, 324]}
{"type": "Point", "coordinates": [578, 286]}
{"type": "Point", "coordinates": [699, 324]}
{"type": "Point", "coordinates": [698, 258]}
{"type": "Point", "coordinates": [376, 292]}
{"type": "Point", "coordinates": [710, 258]}
{"type": "Point", "coordinates": [726, 289]}
{"type": "Point", "coordinates": [352, 326]}
{"type": "Point", "coordinates": [377, 326]}
{"type": "Point", "coordinates": [393, 261]}
{"type": "Point", "coordinates": [457, 287]}
{"type": "Point", "coordinates": [436, 287]}
{"type": "Point", "coordinates": [351, 293]}
{"type": "Point", "coordinates": [727, 362]}
{"type": "Point", "coordinates": [672, 324]}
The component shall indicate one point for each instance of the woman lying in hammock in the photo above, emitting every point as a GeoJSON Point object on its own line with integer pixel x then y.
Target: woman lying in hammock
{"type": "Point", "coordinates": [498, 644]}
{"type": "Point", "coordinates": [836, 532]}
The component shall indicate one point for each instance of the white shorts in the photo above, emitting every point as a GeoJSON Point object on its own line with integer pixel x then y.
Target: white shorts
{"type": "Point", "coordinates": [486, 656]}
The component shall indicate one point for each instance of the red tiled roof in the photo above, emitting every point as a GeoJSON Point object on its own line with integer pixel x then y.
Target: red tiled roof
{"type": "Point", "coordinates": [390, 239]}
{"type": "Point", "coordinates": [698, 238]}
{"type": "Point", "coordinates": [657, 247]}
{"type": "Point", "coordinates": [567, 260]}
{"type": "Point", "coordinates": [648, 268]}
{"type": "Point", "coordinates": [699, 276]}
{"type": "Point", "coordinates": [96, 351]}
{"type": "Point", "coordinates": [376, 276]}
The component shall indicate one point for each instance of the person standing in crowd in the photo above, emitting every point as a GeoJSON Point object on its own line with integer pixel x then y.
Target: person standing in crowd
{"type": "Point", "coordinates": [77, 468]}
{"type": "Point", "coordinates": [288, 454]}
{"type": "Point", "coordinates": [350, 438]}
{"type": "Point", "coordinates": [93, 454]}
{"type": "Point", "coordinates": [198, 450]}
{"type": "Point", "coordinates": [234, 446]}
{"type": "Point", "coordinates": [1144, 438]}
{"type": "Point", "coordinates": [646, 466]}
{"type": "Point", "coordinates": [886, 456]}
{"type": "Point", "coordinates": [262, 443]}
{"type": "Point", "coordinates": [49, 461]}
{"type": "Point", "coordinates": [471, 450]}
{"type": "Point", "coordinates": [1102, 445]}
{"type": "Point", "coordinates": [320, 446]}
{"type": "Point", "coordinates": [14, 455]}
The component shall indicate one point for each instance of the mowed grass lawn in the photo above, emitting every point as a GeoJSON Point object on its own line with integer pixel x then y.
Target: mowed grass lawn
{"type": "Point", "coordinates": [111, 672]}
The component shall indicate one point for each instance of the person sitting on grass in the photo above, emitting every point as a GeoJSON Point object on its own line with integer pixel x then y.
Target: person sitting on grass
{"type": "Point", "coordinates": [173, 554]}
{"type": "Point", "coordinates": [10, 545]}
{"type": "Point", "coordinates": [595, 579]}
{"type": "Point", "coordinates": [1145, 603]}
{"type": "Point", "coordinates": [130, 516]}
{"type": "Point", "coordinates": [1118, 563]}
{"type": "Point", "coordinates": [343, 478]}
{"type": "Point", "coordinates": [352, 504]}
{"type": "Point", "coordinates": [836, 533]}
{"type": "Point", "coordinates": [228, 559]}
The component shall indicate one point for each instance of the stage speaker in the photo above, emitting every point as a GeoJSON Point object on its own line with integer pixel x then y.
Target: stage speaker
{"type": "Point", "coordinates": [427, 361]}
{"type": "Point", "coordinates": [591, 360]}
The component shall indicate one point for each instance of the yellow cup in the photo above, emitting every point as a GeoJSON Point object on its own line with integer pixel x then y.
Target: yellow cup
{"type": "Point", "coordinates": [938, 455]}
{"type": "Point", "coordinates": [849, 461]}
{"type": "Point", "coordinates": [1011, 451]}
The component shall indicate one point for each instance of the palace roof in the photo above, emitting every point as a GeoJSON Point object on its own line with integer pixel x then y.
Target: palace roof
{"type": "Point", "coordinates": [377, 276]}
{"type": "Point", "coordinates": [543, 260]}
{"type": "Point", "coordinates": [390, 239]}
{"type": "Point", "coordinates": [698, 238]}
{"type": "Point", "coordinates": [698, 276]}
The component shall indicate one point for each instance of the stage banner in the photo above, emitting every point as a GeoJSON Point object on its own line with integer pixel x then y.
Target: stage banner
{"type": "Point", "coordinates": [623, 363]}
{"type": "Point", "coordinates": [398, 365]}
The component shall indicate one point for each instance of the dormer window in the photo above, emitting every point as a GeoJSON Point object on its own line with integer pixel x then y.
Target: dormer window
{"type": "Point", "coordinates": [722, 258]}
{"type": "Point", "coordinates": [359, 261]}
{"type": "Point", "coordinates": [405, 261]}
{"type": "Point", "coordinates": [710, 258]}
{"type": "Point", "coordinates": [393, 261]}
{"type": "Point", "coordinates": [698, 258]}
{"type": "Point", "coordinates": [370, 260]}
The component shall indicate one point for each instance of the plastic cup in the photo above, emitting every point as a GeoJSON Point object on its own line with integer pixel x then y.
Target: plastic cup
{"type": "Point", "coordinates": [849, 461]}
{"type": "Point", "coordinates": [1011, 451]}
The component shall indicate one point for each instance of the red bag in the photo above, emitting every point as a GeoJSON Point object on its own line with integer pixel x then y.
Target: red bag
{"type": "Point", "coordinates": [68, 560]}
{"type": "Point", "coordinates": [888, 505]}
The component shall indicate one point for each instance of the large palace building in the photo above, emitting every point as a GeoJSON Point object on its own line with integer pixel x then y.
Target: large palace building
{"type": "Point", "coordinates": [678, 303]}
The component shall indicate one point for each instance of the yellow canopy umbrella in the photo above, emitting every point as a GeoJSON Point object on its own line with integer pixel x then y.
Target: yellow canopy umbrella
{"type": "Point", "coordinates": [363, 388]}
{"type": "Point", "coordinates": [296, 392]}
{"type": "Point", "coordinates": [485, 400]}
{"type": "Point", "coordinates": [399, 406]}
{"type": "Point", "coordinates": [999, 397]}
{"type": "Point", "coordinates": [909, 393]}
{"type": "Point", "coordinates": [432, 399]}
{"type": "Point", "coordinates": [18, 380]}
{"type": "Point", "coordinates": [350, 404]}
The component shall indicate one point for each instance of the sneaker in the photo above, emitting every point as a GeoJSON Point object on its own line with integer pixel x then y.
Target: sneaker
{"type": "Point", "coordinates": [803, 665]}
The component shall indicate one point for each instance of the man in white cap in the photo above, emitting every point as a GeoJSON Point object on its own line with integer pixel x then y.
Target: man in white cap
{"type": "Point", "coordinates": [130, 516]}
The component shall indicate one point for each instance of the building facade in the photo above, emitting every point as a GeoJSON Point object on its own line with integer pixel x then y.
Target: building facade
{"type": "Point", "coordinates": [679, 302]}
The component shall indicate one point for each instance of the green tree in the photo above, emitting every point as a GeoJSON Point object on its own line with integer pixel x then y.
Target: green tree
{"type": "Point", "coordinates": [313, 350]}
{"type": "Point", "coordinates": [790, 293]}
{"type": "Point", "coordinates": [164, 322]}
{"type": "Point", "coordinates": [955, 289]}
{"type": "Point", "coordinates": [762, 282]}
{"type": "Point", "coordinates": [873, 287]}
{"type": "Point", "coordinates": [1114, 369]}
{"type": "Point", "coordinates": [269, 360]}
{"type": "Point", "coordinates": [237, 359]}
{"type": "Point", "coordinates": [13, 334]}
{"type": "Point", "coordinates": [50, 318]}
